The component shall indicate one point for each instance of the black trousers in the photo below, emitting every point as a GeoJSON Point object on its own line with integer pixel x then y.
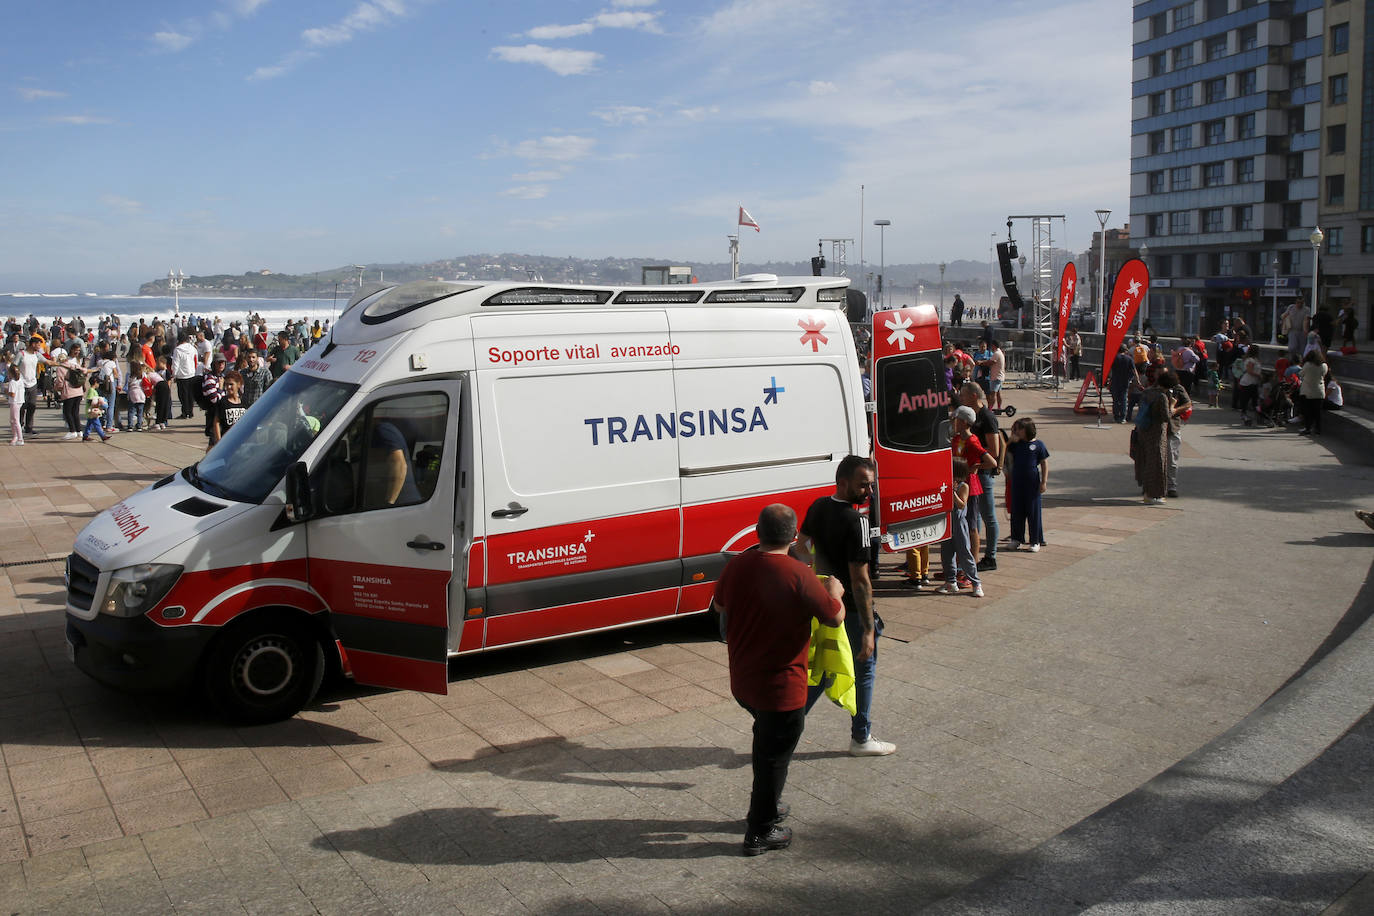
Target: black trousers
{"type": "Point", "coordinates": [71, 413]}
{"type": "Point", "coordinates": [162, 402]}
{"type": "Point", "coordinates": [188, 404]}
{"type": "Point", "coordinates": [775, 738]}
{"type": "Point", "coordinates": [1073, 367]}
{"type": "Point", "coordinates": [27, 411]}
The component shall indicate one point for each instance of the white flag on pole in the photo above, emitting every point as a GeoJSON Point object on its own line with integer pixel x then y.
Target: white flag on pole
{"type": "Point", "coordinates": [746, 220]}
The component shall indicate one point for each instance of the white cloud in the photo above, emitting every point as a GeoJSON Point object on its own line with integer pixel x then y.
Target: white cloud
{"type": "Point", "coordinates": [172, 41]}
{"type": "Point", "coordinates": [80, 119]}
{"type": "Point", "coordinates": [364, 18]}
{"type": "Point", "coordinates": [539, 175]}
{"type": "Point", "coordinates": [697, 113]}
{"type": "Point", "coordinates": [626, 20]}
{"type": "Point", "coordinates": [122, 204]}
{"type": "Point", "coordinates": [563, 61]}
{"type": "Point", "coordinates": [624, 114]}
{"type": "Point", "coordinates": [822, 87]}
{"type": "Point", "coordinates": [624, 3]}
{"type": "Point", "coordinates": [527, 192]}
{"type": "Point", "coordinates": [554, 32]}
{"type": "Point", "coordinates": [34, 95]}
{"type": "Point", "coordinates": [247, 7]}
{"type": "Point", "coordinates": [747, 17]}
{"type": "Point", "coordinates": [282, 67]}
{"type": "Point", "coordinates": [556, 148]}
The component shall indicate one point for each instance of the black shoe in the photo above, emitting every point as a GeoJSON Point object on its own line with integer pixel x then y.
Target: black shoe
{"type": "Point", "coordinates": [1172, 494]}
{"type": "Point", "coordinates": [775, 837]}
{"type": "Point", "coordinates": [987, 563]}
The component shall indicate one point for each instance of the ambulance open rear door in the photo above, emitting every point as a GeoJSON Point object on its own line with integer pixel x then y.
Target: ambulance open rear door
{"type": "Point", "coordinates": [911, 428]}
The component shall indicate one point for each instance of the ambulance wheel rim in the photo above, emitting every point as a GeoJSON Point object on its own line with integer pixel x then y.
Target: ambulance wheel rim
{"type": "Point", "coordinates": [266, 666]}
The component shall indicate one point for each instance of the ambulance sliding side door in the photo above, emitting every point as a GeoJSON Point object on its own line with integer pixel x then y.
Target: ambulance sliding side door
{"type": "Point", "coordinates": [911, 445]}
{"type": "Point", "coordinates": [579, 472]}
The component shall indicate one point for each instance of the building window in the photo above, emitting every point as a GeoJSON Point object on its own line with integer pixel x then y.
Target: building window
{"type": "Point", "coordinates": [1338, 88]}
{"type": "Point", "coordinates": [1159, 24]}
{"type": "Point", "coordinates": [1183, 56]}
{"type": "Point", "coordinates": [1297, 120]}
{"type": "Point", "coordinates": [1245, 127]}
{"type": "Point", "coordinates": [1183, 97]}
{"type": "Point", "coordinates": [1247, 82]}
{"type": "Point", "coordinates": [1157, 64]}
{"type": "Point", "coordinates": [1156, 143]}
{"type": "Point", "coordinates": [1156, 182]}
{"type": "Point", "coordinates": [1335, 241]}
{"type": "Point", "coordinates": [1292, 215]}
{"type": "Point", "coordinates": [1156, 104]}
{"type": "Point", "coordinates": [1224, 264]}
{"type": "Point", "coordinates": [1340, 38]}
{"type": "Point", "coordinates": [1297, 75]}
{"type": "Point", "coordinates": [1211, 220]}
{"type": "Point", "coordinates": [1216, 47]}
{"type": "Point", "coordinates": [1367, 240]}
{"type": "Point", "coordinates": [1243, 217]}
{"type": "Point", "coordinates": [1187, 266]}
{"type": "Point", "coordinates": [1213, 174]}
{"type": "Point", "coordinates": [1249, 38]}
{"type": "Point", "coordinates": [1290, 261]}
{"type": "Point", "coordinates": [1215, 132]}
{"type": "Point", "coordinates": [1183, 16]}
{"type": "Point", "coordinates": [1182, 178]}
{"type": "Point", "coordinates": [1335, 190]}
{"type": "Point", "coordinates": [1293, 166]}
{"type": "Point", "coordinates": [1154, 224]}
{"type": "Point", "coordinates": [1182, 137]}
{"type": "Point", "coordinates": [1335, 138]}
{"type": "Point", "coordinates": [1216, 8]}
{"type": "Point", "coordinates": [1245, 169]}
{"type": "Point", "coordinates": [1297, 27]}
{"type": "Point", "coordinates": [1180, 222]}
{"type": "Point", "coordinates": [1164, 265]}
{"type": "Point", "coordinates": [1215, 90]}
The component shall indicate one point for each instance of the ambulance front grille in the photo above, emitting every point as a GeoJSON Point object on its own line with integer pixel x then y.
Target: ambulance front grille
{"type": "Point", "coordinates": [82, 576]}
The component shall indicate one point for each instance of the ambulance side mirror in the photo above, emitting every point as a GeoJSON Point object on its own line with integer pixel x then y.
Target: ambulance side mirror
{"type": "Point", "coordinates": [300, 506]}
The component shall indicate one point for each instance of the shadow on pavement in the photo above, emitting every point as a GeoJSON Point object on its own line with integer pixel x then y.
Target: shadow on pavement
{"type": "Point", "coordinates": [569, 762]}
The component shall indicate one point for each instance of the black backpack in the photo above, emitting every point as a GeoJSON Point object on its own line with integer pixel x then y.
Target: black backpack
{"type": "Point", "coordinates": [75, 378]}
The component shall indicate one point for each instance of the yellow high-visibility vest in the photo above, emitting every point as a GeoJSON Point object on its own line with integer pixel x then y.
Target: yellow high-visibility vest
{"type": "Point", "coordinates": [829, 660]}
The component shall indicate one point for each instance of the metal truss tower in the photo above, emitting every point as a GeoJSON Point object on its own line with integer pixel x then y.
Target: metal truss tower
{"type": "Point", "coordinates": [839, 262]}
{"type": "Point", "coordinates": [1044, 293]}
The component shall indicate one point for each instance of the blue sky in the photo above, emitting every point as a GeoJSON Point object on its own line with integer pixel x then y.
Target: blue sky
{"type": "Point", "coordinates": [296, 135]}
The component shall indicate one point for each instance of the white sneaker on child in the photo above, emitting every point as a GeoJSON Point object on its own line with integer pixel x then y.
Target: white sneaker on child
{"type": "Point", "coordinates": [1035, 548]}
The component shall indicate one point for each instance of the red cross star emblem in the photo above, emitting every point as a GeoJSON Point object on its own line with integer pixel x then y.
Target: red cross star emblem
{"type": "Point", "coordinates": [813, 334]}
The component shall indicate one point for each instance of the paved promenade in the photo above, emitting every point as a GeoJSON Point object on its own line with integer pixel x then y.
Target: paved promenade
{"type": "Point", "coordinates": [1084, 738]}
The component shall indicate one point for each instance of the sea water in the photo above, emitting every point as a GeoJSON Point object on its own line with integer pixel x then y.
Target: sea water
{"type": "Point", "coordinates": [92, 307]}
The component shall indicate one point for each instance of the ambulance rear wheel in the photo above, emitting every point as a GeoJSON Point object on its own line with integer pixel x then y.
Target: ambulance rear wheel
{"type": "Point", "coordinates": [264, 671]}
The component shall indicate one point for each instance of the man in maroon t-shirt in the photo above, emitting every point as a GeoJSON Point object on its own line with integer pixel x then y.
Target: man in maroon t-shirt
{"type": "Point", "coordinates": [767, 599]}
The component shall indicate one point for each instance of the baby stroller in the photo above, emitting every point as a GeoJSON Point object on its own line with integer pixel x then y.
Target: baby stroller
{"type": "Point", "coordinates": [47, 386]}
{"type": "Point", "coordinates": [1276, 402]}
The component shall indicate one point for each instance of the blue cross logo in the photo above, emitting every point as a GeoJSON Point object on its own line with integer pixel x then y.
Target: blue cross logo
{"type": "Point", "coordinates": [771, 393]}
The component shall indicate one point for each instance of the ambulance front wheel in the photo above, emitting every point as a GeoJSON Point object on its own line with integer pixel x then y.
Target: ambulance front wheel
{"type": "Point", "coordinates": [264, 670]}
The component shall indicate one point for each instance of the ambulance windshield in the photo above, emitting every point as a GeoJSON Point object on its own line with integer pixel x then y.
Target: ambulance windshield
{"type": "Point", "coordinates": [256, 451]}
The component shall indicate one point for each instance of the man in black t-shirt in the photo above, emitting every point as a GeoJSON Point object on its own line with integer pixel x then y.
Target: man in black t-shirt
{"type": "Point", "coordinates": [838, 535]}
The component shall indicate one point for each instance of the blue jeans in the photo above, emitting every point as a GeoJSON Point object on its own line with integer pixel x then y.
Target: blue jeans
{"type": "Point", "coordinates": [93, 425]}
{"type": "Point", "coordinates": [135, 415]}
{"type": "Point", "coordinates": [860, 726]}
{"type": "Point", "coordinates": [987, 511]}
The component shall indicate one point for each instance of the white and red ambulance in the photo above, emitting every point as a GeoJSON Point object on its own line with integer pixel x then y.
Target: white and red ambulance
{"type": "Point", "coordinates": [463, 467]}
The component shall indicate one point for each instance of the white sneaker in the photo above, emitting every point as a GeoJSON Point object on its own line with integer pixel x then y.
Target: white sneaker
{"type": "Point", "coordinates": [949, 588]}
{"type": "Point", "coordinates": [870, 748]}
{"type": "Point", "coordinates": [1013, 544]}
{"type": "Point", "coordinates": [1035, 548]}
{"type": "Point", "coordinates": [72, 436]}
{"type": "Point", "coordinates": [1156, 502]}
{"type": "Point", "coordinates": [978, 591]}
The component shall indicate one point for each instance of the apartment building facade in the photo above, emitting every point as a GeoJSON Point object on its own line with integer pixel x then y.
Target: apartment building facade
{"type": "Point", "coordinates": [1228, 167]}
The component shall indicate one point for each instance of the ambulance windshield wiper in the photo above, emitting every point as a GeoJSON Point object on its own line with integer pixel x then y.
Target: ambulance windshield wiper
{"type": "Point", "coordinates": [200, 483]}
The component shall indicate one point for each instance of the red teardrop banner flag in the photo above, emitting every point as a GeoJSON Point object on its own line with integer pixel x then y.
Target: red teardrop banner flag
{"type": "Point", "coordinates": [1132, 285]}
{"type": "Point", "coordinates": [1068, 280]}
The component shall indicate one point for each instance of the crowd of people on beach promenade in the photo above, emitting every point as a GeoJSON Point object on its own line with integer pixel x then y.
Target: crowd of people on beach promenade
{"type": "Point", "coordinates": [112, 377]}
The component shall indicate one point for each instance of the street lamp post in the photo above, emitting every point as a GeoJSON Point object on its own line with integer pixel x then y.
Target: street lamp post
{"type": "Point", "coordinates": [1316, 239]}
{"type": "Point", "coordinates": [1274, 327]}
{"type": "Point", "coordinates": [174, 281]}
{"type": "Point", "coordinates": [882, 225]}
{"type": "Point", "coordinates": [942, 287]}
{"type": "Point", "coordinates": [1102, 216]}
{"type": "Point", "coordinates": [359, 268]}
{"type": "Point", "coordinates": [1140, 313]}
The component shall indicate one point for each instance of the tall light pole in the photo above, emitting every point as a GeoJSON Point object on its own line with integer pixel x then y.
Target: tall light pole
{"type": "Point", "coordinates": [942, 287]}
{"type": "Point", "coordinates": [1274, 328]}
{"type": "Point", "coordinates": [1102, 216]}
{"type": "Point", "coordinates": [1144, 252]}
{"type": "Point", "coordinates": [359, 268]}
{"type": "Point", "coordinates": [1316, 239]}
{"type": "Point", "coordinates": [882, 225]}
{"type": "Point", "coordinates": [174, 281]}
{"type": "Point", "coordinates": [992, 274]}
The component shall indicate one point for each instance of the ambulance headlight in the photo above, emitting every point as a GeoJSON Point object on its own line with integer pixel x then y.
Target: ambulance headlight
{"type": "Point", "coordinates": [135, 590]}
